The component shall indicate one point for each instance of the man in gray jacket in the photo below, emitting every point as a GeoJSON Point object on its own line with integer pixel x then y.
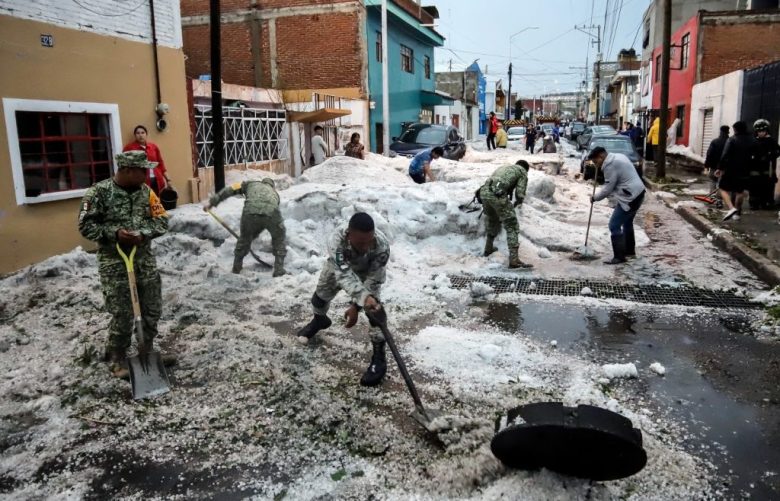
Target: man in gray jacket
{"type": "Point", "coordinates": [620, 178]}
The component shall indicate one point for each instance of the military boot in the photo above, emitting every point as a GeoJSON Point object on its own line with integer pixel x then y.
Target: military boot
{"type": "Point", "coordinates": [630, 244]}
{"type": "Point", "coordinates": [618, 249]}
{"type": "Point", "coordinates": [514, 261]}
{"type": "Point", "coordinates": [279, 266]}
{"type": "Point", "coordinates": [237, 265]}
{"type": "Point", "coordinates": [317, 323]}
{"type": "Point", "coordinates": [489, 247]}
{"type": "Point", "coordinates": [377, 367]}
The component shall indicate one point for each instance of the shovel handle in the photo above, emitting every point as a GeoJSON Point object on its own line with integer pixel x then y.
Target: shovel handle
{"type": "Point", "coordinates": [138, 327]}
{"type": "Point", "coordinates": [401, 365]}
{"type": "Point", "coordinates": [590, 214]}
{"type": "Point", "coordinates": [230, 230]}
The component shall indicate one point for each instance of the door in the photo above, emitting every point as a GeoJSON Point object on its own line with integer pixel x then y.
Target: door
{"type": "Point", "coordinates": [707, 133]}
{"type": "Point", "coordinates": [380, 131]}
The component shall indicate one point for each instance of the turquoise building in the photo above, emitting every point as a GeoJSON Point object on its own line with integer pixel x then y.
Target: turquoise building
{"type": "Point", "coordinates": [412, 81]}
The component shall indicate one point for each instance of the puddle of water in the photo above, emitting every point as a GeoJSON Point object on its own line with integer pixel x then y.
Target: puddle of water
{"type": "Point", "coordinates": [716, 382]}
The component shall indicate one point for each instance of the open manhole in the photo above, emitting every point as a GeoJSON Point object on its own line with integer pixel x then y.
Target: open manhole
{"type": "Point", "coordinates": [639, 293]}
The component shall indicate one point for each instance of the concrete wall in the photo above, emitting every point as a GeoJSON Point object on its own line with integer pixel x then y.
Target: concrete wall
{"type": "Point", "coordinates": [723, 95]}
{"type": "Point", "coordinates": [84, 67]}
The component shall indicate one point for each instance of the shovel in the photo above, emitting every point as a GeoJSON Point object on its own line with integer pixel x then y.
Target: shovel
{"type": "Point", "coordinates": [147, 372]}
{"type": "Point", "coordinates": [584, 253]}
{"type": "Point", "coordinates": [224, 225]}
{"type": "Point", "coordinates": [420, 414]}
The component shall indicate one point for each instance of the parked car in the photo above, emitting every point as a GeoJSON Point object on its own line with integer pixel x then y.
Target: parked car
{"type": "Point", "coordinates": [575, 129]}
{"type": "Point", "coordinates": [592, 131]}
{"type": "Point", "coordinates": [547, 128]}
{"type": "Point", "coordinates": [613, 144]}
{"type": "Point", "coordinates": [515, 133]}
{"type": "Point", "coordinates": [420, 136]}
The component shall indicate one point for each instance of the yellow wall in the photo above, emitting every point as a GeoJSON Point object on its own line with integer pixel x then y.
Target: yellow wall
{"type": "Point", "coordinates": [83, 67]}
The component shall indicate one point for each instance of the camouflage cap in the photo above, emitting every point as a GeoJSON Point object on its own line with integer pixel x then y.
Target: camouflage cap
{"type": "Point", "coordinates": [134, 159]}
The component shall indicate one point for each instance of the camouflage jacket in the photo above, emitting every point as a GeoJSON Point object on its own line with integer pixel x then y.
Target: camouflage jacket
{"type": "Point", "coordinates": [357, 274]}
{"type": "Point", "coordinates": [261, 197]}
{"type": "Point", "coordinates": [506, 179]}
{"type": "Point", "coordinates": [107, 208]}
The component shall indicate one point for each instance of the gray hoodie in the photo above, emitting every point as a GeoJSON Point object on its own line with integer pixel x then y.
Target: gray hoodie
{"type": "Point", "coordinates": [620, 178]}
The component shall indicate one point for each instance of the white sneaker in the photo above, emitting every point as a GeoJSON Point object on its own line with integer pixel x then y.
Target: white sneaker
{"type": "Point", "coordinates": [730, 214]}
{"type": "Point", "coordinates": [736, 217]}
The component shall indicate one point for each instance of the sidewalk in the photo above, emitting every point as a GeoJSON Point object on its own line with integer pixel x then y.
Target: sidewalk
{"type": "Point", "coordinates": [754, 240]}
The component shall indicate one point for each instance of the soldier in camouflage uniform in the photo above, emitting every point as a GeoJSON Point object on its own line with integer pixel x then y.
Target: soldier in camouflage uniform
{"type": "Point", "coordinates": [261, 212]}
{"type": "Point", "coordinates": [496, 198]}
{"type": "Point", "coordinates": [126, 211]}
{"type": "Point", "coordinates": [357, 257]}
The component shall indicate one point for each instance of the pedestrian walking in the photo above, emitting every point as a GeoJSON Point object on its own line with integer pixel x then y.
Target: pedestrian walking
{"type": "Point", "coordinates": [622, 179]}
{"type": "Point", "coordinates": [420, 166]}
{"type": "Point", "coordinates": [123, 211]}
{"type": "Point", "coordinates": [156, 178]}
{"type": "Point", "coordinates": [501, 138]}
{"type": "Point", "coordinates": [638, 137]}
{"type": "Point", "coordinates": [492, 129]}
{"type": "Point", "coordinates": [319, 148]}
{"type": "Point", "coordinates": [714, 154]}
{"type": "Point", "coordinates": [496, 199]}
{"type": "Point", "coordinates": [763, 176]}
{"type": "Point", "coordinates": [734, 168]}
{"type": "Point", "coordinates": [354, 147]}
{"type": "Point", "coordinates": [530, 138]}
{"type": "Point", "coordinates": [652, 140]}
{"type": "Point", "coordinates": [357, 261]}
{"type": "Point", "coordinates": [261, 212]}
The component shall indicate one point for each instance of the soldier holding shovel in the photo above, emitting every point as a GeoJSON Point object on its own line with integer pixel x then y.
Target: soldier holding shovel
{"type": "Point", "coordinates": [123, 212]}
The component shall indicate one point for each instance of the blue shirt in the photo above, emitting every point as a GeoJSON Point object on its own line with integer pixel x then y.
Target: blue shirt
{"type": "Point", "coordinates": [419, 161]}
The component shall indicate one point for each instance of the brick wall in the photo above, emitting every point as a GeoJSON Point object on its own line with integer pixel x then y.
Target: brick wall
{"type": "Point", "coordinates": [730, 42]}
{"type": "Point", "coordinates": [201, 7]}
{"type": "Point", "coordinates": [100, 16]}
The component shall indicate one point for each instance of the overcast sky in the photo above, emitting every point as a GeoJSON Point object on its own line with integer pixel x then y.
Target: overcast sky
{"type": "Point", "coordinates": [480, 29]}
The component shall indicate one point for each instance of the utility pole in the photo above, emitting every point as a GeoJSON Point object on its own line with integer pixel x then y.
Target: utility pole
{"type": "Point", "coordinates": [660, 162]}
{"type": "Point", "coordinates": [588, 31]}
{"type": "Point", "coordinates": [217, 128]}
{"type": "Point", "coordinates": [386, 86]}
{"type": "Point", "coordinates": [509, 98]}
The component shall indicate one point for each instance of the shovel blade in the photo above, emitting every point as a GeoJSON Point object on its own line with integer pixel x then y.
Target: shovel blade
{"type": "Point", "coordinates": [147, 376]}
{"type": "Point", "coordinates": [428, 419]}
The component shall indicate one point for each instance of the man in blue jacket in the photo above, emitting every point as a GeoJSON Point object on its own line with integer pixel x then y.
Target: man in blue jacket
{"type": "Point", "coordinates": [420, 167]}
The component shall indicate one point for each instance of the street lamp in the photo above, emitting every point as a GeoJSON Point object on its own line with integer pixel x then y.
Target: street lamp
{"type": "Point", "coordinates": [509, 95]}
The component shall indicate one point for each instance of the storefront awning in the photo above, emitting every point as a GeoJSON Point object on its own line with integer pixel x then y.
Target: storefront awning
{"type": "Point", "coordinates": [433, 98]}
{"type": "Point", "coordinates": [321, 115]}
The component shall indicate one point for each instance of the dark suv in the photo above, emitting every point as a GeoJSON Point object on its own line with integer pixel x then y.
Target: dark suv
{"type": "Point", "coordinates": [418, 137]}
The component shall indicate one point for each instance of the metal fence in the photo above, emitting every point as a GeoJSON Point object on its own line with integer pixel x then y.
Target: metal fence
{"type": "Point", "coordinates": [251, 135]}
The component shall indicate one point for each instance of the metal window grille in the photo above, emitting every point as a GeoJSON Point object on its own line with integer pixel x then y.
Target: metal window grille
{"type": "Point", "coordinates": [63, 151]}
{"type": "Point", "coordinates": [686, 46]}
{"type": "Point", "coordinates": [427, 67]}
{"type": "Point", "coordinates": [251, 135]}
{"type": "Point", "coordinates": [407, 59]}
{"type": "Point", "coordinates": [379, 46]}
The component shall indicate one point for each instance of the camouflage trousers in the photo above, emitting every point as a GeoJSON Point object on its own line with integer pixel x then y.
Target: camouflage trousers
{"type": "Point", "coordinates": [328, 287]}
{"type": "Point", "coordinates": [252, 225]}
{"type": "Point", "coordinates": [116, 293]}
{"type": "Point", "coordinates": [499, 211]}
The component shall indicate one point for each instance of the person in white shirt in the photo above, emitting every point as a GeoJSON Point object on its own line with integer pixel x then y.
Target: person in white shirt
{"type": "Point", "coordinates": [319, 147]}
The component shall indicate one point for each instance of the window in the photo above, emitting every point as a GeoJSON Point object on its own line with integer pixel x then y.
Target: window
{"type": "Point", "coordinates": [59, 149]}
{"type": "Point", "coordinates": [251, 135]}
{"type": "Point", "coordinates": [658, 68]}
{"type": "Point", "coordinates": [379, 46]}
{"type": "Point", "coordinates": [407, 59]}
{"type": "Point", "coordinates": [681, 116]}
{"type": "Point", "coordinates": [646, 39]}
{"type": "Point", "coordinates": [427, 61]}
{"type": "Point", "coordinates": [686, 46]}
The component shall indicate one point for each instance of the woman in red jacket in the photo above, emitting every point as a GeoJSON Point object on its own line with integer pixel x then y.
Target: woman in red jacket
{"type": "Point", "coordinates": [156, 178]}
{"type": "Point", "coordinates": [492, 129]}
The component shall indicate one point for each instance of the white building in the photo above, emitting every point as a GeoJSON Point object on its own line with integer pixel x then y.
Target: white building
{"type": "Point", "coordinates": [714, 103]}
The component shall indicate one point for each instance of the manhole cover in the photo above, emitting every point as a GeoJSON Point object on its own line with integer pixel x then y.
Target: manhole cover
{"type": "Point", "coordinates": [639, 293]}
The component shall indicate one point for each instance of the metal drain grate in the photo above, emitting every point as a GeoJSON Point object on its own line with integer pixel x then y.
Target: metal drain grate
{"type": "Point", "coordinates": [651, 294]}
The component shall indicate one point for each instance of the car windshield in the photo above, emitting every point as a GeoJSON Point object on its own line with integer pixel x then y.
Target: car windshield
{"type": "Point", "coordinates": [603, 129]}
{"type": "Point", "coordinates": [578, 127]}
{"type": "Point", "coordinates": [424, 135]}
{"type": "Point", "coordinates": [516, 131]}
{"type": "Point", "coordinates": [614, 145]}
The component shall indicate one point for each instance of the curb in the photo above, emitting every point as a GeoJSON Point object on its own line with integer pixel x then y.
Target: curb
{"type": "Point", "coordinates": [765, 269]}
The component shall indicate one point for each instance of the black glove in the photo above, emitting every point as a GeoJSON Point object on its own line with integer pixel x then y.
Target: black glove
{"type": "Point", "coordinates": [377, 317]}
{"type": "Point", "coordinates": [518, 202]}
{"type": "Point", "coordinates": [592, 200]}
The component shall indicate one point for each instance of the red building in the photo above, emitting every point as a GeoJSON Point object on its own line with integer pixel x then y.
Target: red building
{"type": "Point", "coordinates": [682, 76]}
